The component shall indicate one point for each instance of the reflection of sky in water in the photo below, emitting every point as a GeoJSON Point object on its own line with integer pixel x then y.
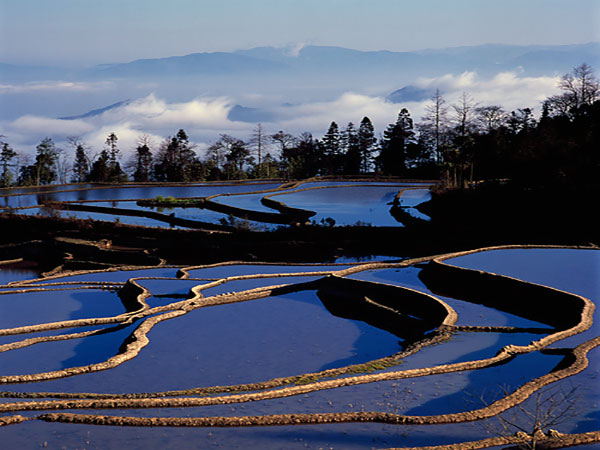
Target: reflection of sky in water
{"type": "Point", "coordinates": [197, 214]}
{"type": "Point", "coordinates": [32, 197]}
{"type": "Point", "coordinates": [572, 270]}
{"type": "Point", "coordinates": [346, 205]}
{"type": "Point", "coordinates": [51, 306]}
{"type": "Point", "coordinates": [254, 340]}
{"type": "Point", "coordinates": [249, 201]}
{"type": "Point", "coordinates": [241, 342]}
{"type": "Point", "coordinates": [364, 202]}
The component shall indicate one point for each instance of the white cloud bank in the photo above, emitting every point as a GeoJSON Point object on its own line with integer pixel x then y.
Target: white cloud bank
{"type": "Point", "coordinates": [205, 118]}
{"type": "Point", "coordinates": [55, 86]}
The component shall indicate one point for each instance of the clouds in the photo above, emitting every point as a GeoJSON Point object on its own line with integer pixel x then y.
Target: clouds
{"type": "Point", "coordinates": [46, 126]}
{"type": "Point", "coordinates": [205, 118]}
{"type": "Point", "coordinates": [54, 86]}
{"type": "Point", "coordinates": [506, 89]}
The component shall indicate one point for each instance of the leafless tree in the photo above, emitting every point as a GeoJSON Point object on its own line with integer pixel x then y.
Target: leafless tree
{"type": "Point", "coordinates": [533, 420]}
{"type": "Point", "coordinates": [259, 141]}
{"type": "Point", "coordinates": [491, 117]}
{"type": "Point", "coordinates": [580, 87]}
{"type": "Point", "coordinates": [435, 123]}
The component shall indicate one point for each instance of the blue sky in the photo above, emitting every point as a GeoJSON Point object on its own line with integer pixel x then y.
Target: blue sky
{"type": "Point", "coordinates": [97, 31]}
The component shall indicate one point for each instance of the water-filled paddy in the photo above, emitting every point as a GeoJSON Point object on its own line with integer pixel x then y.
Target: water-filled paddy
{"type": "Point", "coordinates": [340, 202]}
{"type": "Point", "coordinates": [367, 205]}
{"type": "Point", "coordinates": [293, 333]}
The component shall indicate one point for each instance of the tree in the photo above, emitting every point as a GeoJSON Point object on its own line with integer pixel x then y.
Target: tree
{"type": "Point", "coordinates": [259, 141]}
{"type": "Point", "coordinates": [6, 156]}
{"type": "Point", "coordinates": [232, 150]}
{"type": "Point", "coordinates": [396, 138]}
{"type": "Point", "coordinates": [143, 161]}
{"type": "Point", "coordinates": [44, 168]}
{"type": "Point", "coordinates": [81, 166]}
{"type": "Point", "coordinates": [533, 419]}
{"type": "Point", "coordinates": [115, 173]}
{"type": "Point", "coordinates": [302, 160]}
{"type": "Point", "coordinates": [521, 121]}
{"type": "Point", "coordinates": [176, 158]}
{"type": "Point", "coordinates": [366, 143]}
{"type": "Point", "coordinates": [490, 117]}
{"type": "Point", "coordinates": [238, 156]}
{"type": "Point", "coordinates": [352, 157]}
{"type": "Point", "coordinates": [331, 143]}
{"type": "Point", "coordinates": [460, 158]}
{"type": "Point", "coordinates": [580, 87]}
{"type": "Point", "coordinates": [100, 171]}
{"type": "Point", "coordinates": [434, 127]}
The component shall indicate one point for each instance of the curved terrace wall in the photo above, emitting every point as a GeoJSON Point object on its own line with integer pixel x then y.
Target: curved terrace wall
{"type": "Point", "coordinates": [568, 313]}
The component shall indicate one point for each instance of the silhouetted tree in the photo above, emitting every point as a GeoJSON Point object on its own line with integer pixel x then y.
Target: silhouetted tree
{"type": "Point", "coordinates": [101, 171]}
{"type": "Point", "coordinates": [331, 143]}
{"type": "Point", "coordinates": [433, 129]}
{"type": "Point", "coordinates": [176, 158]}
{"type": "Point", "coordinates": [396, 138]}
{"type": "Point", "coordinates": [6, 156]}
{"type": "Point", "coordinates": [115, 173]}
{"type": "Point", "coordinates": [81, 166]}
{"type": "Point", "coordinates": [366, 143]}
{"type": "Point", "coordinates": [230, 154]}
{"type": "Point", "coordinates": [143, 163]}
{"type": "Point", "coordinates": [43, 171]}
{"type": "Point", "coordinates": [351, 156]}
{"type": "Point", "coordinates": [490, 117]}
{"type": "Point", "coordinates": [303, 160]}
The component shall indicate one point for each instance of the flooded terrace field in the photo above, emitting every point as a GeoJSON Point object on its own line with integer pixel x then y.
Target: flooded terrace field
{"type": "Point", "coordinates": [264, 205]}
{"type": "Point", "coordinates": [376, 354]}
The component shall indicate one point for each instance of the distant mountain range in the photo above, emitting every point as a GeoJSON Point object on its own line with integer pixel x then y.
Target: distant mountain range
{"type": "Point", "coordinates": [490, 58]}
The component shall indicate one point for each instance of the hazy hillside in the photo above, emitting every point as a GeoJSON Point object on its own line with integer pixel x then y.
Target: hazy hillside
{"type": "Point", "coordinates": [485, 59]}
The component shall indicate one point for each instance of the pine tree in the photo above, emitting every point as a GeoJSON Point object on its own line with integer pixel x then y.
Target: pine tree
{"type": "Point", "coordinates": [115, 173]}
{"type": "Point", "coordinates": [6, 155]}
{"type": "Point", "coordinates": [81, 167]}
{"type": "Point", "coordinates": [143, 163]}
{"type": "Point", "coordinates": [331, 144]}
{"type": "Point", "coordinates": [175, 159]}
{"type": "Point", "coordinates": [101, 170]}
{"type": "Point", "coordinates": [352, 157]}
{"type": "Point", "coordinates": [396, 138]}
{"type": "Point", "coordinates": [45, 162]}
{"type": "Point", "coordinates": [366, 142]}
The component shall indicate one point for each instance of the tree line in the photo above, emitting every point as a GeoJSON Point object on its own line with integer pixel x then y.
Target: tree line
{"type": "Point", "coordinates": [458, 143]}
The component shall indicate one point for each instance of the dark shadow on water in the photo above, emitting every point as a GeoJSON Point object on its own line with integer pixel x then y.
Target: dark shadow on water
{"type": "Point", "coordinates": [100, 347]}
{"type": "Point", "coordinates": [488, 385]}
{"type": "Point", "coordinates": [108, 341]}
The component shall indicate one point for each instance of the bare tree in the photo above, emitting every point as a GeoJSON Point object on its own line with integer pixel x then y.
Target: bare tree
{"type": "Point", "coordinates": [259, 141]}
{"type": "Point", "coordinates": [491, 117]}
{"type": "Point", "coordinates": [435, 124]}
{"type": "Point", "coordinates": [533, 419]}
{"type": "Point", "coordinates": [580, 87]}
{"type": "Point", "coordinates": [464, 115]}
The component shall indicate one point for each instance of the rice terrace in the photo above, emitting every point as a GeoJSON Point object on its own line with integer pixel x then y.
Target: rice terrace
{"type": "Point", "coordinates": [316, 224]}
{"type": "Point", "coordinates": [165, 309]}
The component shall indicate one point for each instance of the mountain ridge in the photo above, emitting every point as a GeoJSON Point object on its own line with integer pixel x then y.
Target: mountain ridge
{"type": "Point", "coordinates": [483, 58]}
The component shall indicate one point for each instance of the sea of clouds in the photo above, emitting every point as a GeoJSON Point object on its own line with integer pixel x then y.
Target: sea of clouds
{"type": "Point", "coordinates": [204, 117]}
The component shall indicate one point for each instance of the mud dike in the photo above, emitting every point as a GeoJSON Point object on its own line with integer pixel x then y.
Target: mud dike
{"type": "Point", "coordinates": [420, 319]}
